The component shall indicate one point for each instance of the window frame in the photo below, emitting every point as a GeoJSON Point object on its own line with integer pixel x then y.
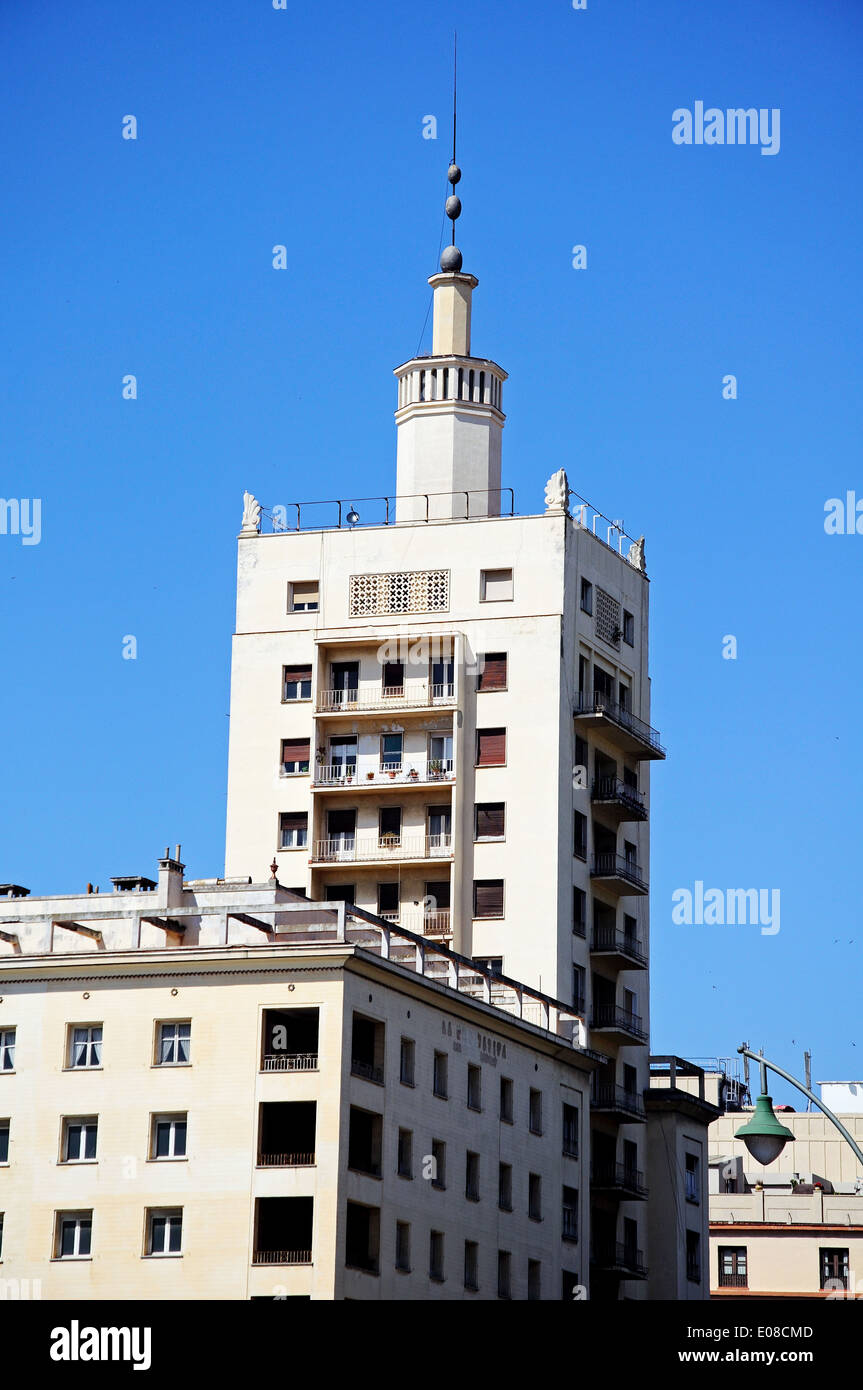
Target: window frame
{"type": "Point", "coordinates": [487, 807]}
{"type": "Point", "coordinates": [309, 584]}
{"type": "Point", "coordinates": [483, 584]}
{"type": "Point", "coordinates": [162, 1023]}
{"type": "Point", "coordinates": [169, 1215]}
{"type": "Point", "coordinates": [89, 1043]}
{"type": "Point", "coordinates": [7, 1047]}
{"type": "Point", "coordinates": [85, 1123]}
{"type": "Point", "coordinates": [296, 699]}
{"type": "Point", "coordinates": [496, 729]}
{"type": "Point", "coordinates": [159, 1118]}
{"type": "Point", "coordinates": [79, 1217]}
{"type": "Point", "coordinates": [489, 916]}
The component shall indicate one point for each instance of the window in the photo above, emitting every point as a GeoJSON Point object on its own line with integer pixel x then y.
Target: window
{"type": "Point", "coordinates": [492, 671]}
{"type": "Point", "coordinates": [439, 1080]}
{"type": "Point", "coordinates": [345, 679]}
{"type": "Point", "coordinates": [534, 1280]}
{"type": "Point", "coordinates": [407, 1061]}
{"type": "Point", "coordinates": [628, 628]}
{"type": "Point", "coordinates": [362, 1236]}
{"type": "Point", "coordinates": [405, 1166]}
{"type": "Point", "coordinates": [436, 1255]}
{"type": "Point", "coordinates": [534, 1196]}
{"type": "Point", "coordinates": [471, 1265]}
{"type": "Point", "coordinates": [471, 1177]}
{"type": "Point", "coordinates": [693, 1183]}
{"type": "Point", "coordinates": [490, 747]}
{"type": "Point", "coordinates": [174, 1044]}
{"type": "Point", "coordinates": [391, 752]}
{"type": "Point", "coordinates": [535, 1112]}
{"type": "Point", "coordinates": [733, 1270]}
{"type": "Point", "coordinates": [474, 1087]}
{"type": "Point", "coordinates": [570, 1130]}
{"type": "Point", "coordinates": [293, 829]}
{"type": "Point", "coordinates": [390, 827]}
{"type": "Point", "coordinates": [579, 977]}
{"type": "Point", "coordinates": [4, 1141]}
{"type": "Point", "coordinates": [438, 1155]}
{"type": "Point", "coordinates": [586, 597]}
{"type": "Point", "coordinates": [73, 1235]}
{"type": "Point", "coordinates": [85, 1045]}
{"type": "Point", "coordinates": [579, 912]}
{"type": "Point", "coordinates": [833, 1264]}
{"type": "Point", "coordinates": [168, 1136]}
{"type": "Point", "coordinates": [303, 597]}
{"type": "Point", "coordinates": [579, 843]}
{"type": "Point", "coordinates": [79, 1140]}
{"type": "Point", "coordinates": [570, 1213]}
{"type": "Point", "coordinates": [489, 820]}
{"type": "Point", "coordinates": [488, 897]}
{"type": "Point", "coordinates": [440, 753]}
{"type": "Point", "coordinates": [1, 1234]}
{"type": "Point", "coordinates": [504, 1186]}
{"type": "Point", "coordinates": [582, 762]}
{"type": "Point", "coordinates": [388, 900]}
{"type": "Point", "coordinates": [493, 964]}
{"type": "Point", "coordinates": [393, 679]}
{"type": "Point", "coordinates": [7, 1049]}
{"type": "Point", "coordinates": [506, 1105]}
{"type": "Point", "coordinates": [403, 1246]}
{"type": "Point", "coordinates": [298, 682]}
{"type": "Point", "coordinates": [295, 755]}
{"type": "Point", "coordinates": [693, 1256]}
{"type": "Point", "coordinates": [495, 585]}
{"type": "Point", "coordinates": [443, 678]}
{"type": "Point", "coordinates": [504, 1274]}
{"type": "Point", "coordinates": [165, 1231]}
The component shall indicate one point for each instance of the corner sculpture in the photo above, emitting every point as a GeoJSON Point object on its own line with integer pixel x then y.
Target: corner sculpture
{"type": "Point", "coordinates": [251, 512]}
{"type": "Point", "coordinates": [636, 555]}
{"type": "Point", "coordinates": [557, 492]}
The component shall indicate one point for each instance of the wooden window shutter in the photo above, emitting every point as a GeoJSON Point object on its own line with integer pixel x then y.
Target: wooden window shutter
{"type": "Point", "coordinates": [294, 820]}
{"type": "Point", "coordinates": [490, 820]}
{"type": "Point", "coordinates": [490, 747]}
{"type": "Point", "coordinates": [298, 673]}
{"type": "Point", "coordinates": [488, 897]}
{"type": "Point", "coordinates": [493, 673]}
{"type": "Point", "coordinates": [295, 750]}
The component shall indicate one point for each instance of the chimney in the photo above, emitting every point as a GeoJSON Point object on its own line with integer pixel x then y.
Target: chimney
{"type": "Point", "coordinates": [170, 888]}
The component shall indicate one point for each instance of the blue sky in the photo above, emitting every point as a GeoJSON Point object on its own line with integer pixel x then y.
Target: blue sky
{"type": "Point", "coordinates": [304, 127]}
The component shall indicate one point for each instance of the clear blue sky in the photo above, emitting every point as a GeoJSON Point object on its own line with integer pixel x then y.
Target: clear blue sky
{"type": "Point", "coordinates": [304, 127]}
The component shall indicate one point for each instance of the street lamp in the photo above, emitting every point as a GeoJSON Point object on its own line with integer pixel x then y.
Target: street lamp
{"type": "Point", "coordinates": [763, 1135]}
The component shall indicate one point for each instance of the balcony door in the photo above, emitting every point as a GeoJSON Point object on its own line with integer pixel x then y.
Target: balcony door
{"type": "Point", "coordinates": [442, 677]}
{"type": "Point", "coordinates": [341, 834]}
{"type": "Point", "coordinates": [439, 829]}
{"type": "Point", "coordinates": [390, 827]}
{"type": "Point", "coordinates": [345, 679]}
{"type": "Point", "coordinates": [343, 756]}
{"type": "Point", "coordinates": [440, 753]}
{"type": "Point", "coordinates": [393, 679]}
{"type": "Point", "coordinates": [603, 684]}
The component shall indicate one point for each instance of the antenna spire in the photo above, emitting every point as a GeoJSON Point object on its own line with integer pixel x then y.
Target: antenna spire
{"type": "Point", "coordinates": [451, 260]}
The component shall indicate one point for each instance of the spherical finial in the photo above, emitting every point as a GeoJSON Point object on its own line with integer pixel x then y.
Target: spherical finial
{"type": "Point", "coordinates": [453, 174]}
{"type": "Point", "coordinates": [450, 261]}
{"type": "Point", "coordinates": [453, 207]}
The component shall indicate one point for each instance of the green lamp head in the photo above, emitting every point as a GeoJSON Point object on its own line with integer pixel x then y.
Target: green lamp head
{"type": "Point", "coordinates": [763, 1135]}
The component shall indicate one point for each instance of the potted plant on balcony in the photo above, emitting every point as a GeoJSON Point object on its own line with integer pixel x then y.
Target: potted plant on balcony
{"type": "Point", "coordinates": [436, 767]}
{"type": "Point", "coordinates": [370, 776]}
{"type": "Point", "coordinates": [413, 774]}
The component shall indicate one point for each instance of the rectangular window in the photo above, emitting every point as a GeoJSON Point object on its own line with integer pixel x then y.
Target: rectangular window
{"type": "Point", "coordinates": [436, 1256]}
{"type": "Point", "coordinates": [534, 1280]}
{"type": "Point", "coordinates": [579, 978]}
{"type": "Point", "coordinates": [579, 912]}
{"type": "Point", "coordinates": [495, 585]}
{"type": "Point", "coordinates": [570, 1213]}
{"type": "Point", "coordinates": [165, 1231]}
{"type": "Point", "coordinates": [393, 679]}
{"type": "Point", "coordinates": [441, 1069]}
{"type": "Point", "coordinates": [85, 1045]}
{"type": "Point", "coordinates": [471, 1265]}
{"type": "Point", "coordinates": [405, 1166]}
{"type": "Point", "coordinates": [174, 1044]}
{"type": "Point", "coordinates": [297, 682]}
{"type": "Point", "coordinates": [693, 1256]}
{"type": "Point", "coordinates": [570, 1130]}
{"type": "Point", "coordinates": [693, 1180]}
{"type": "Point", "coordinates": [438, 1154]}
{"type": "Point", "coordinates": [504, 1186]}
{"type": "Point", "coordinates": [390, 827]}
{"type": "Point", "coordinates": [579, 843]}
{"type": "Point", "coordinates": [474, 1087]}
{"type": "Point", "coordinates": [73, 1235]}
{"type": "Point", "coordinates": [403, 1246]}
{"type": "Point", "coordinates": [7, 1049]}
{"type": "Point", "coordinates": [168, 1136]}
{"type": "Point", "coordinates": [490, 747]}
{"type": "Point", "coordinates": [504, 1274]}
{"type": "Point", "coordinates": [407, 1061]}
{"type": "Point", "coordinates": [833, 1265]}
{"type": "Point", "coordinates": [506, 1100]}
{"type": "Point", "coordinates": [79, 1140]}
{"type": "Point", "coordinates": [303, 597]}
{"type": "Point", "coordinates": [628, 628]}
{"type": "Point", "coordinates": [492, 671]}
{"type": "Point", "coordinates": [534, 1196]}
{"type": "Point", "coordinates": [295, 755]}
{"type": "Point", "coordinates": [487, 897]}
{"type": "Point", "coordinates": [535, 1112]}
{"type": "Point", "coordinates": [4, 1141]}
{"type": "Point", "coordinates": [733, 1270]}
{"type": "Point", "coordinates": [293, 829]}
{"type": "Point", "coordinates": [471, 1177]}
{"type": "Point", "coordinates": [489, 820]}
{"type": "Point", "coordinates": [586, 597]}
{"type": "Point", "coordinates": [391, 752]}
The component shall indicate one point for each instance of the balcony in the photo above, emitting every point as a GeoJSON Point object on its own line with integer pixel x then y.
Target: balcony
{"type": "Point", "coordinates": [412, 695]}
{"type": "Point", "coordinates": [618, 725]}
{"type": "Point", "coordinates": [272, 1160]}
{"type": "Point", "coordinates": [372, 776]}
{"type": "Point", "coordinates": [618, 948]}
{"type": "Point", "coordinates": [618, 800]}
{"type": "Point", "coordinates": [282, 1257]}
{"type": "Point", "coordinates": [616, 1101]}
{"type": "Point", "coordinates": [610, 1018]}
{"type": "Point", "coordinates": [367, 1070]}
{"type": "Point", "coordinates": [385, 849]}
{"type": "Point", "coordinates": [733, 1281]}
{"type": "Point", "coordinates": [619, 874]}
{"type": "Point", "coordinates": [289, 1061]}
{"type": "Point", "coordinates": [435, 923]}
{"type": "Point", "coordinates": [616, 1258]}
{"type": "Point", "coordinates": [619, 1180]}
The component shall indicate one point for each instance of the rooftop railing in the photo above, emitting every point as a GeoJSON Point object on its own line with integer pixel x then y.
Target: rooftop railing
{"type": "Point", "coordinates": [295, 516]}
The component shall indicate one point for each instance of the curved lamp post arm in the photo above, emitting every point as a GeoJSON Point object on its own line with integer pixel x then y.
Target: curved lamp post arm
{"type": "Point", "coordinates": [786, 1076]}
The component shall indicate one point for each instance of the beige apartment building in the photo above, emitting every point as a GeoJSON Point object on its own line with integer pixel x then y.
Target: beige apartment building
{"type": "Point", "coordinates": [214, 1090]}
{"type": "Point", "coordinates": [440, 712]}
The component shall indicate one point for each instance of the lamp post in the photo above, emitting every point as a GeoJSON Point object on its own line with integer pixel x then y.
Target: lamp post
{"type": "Point", "coordinates": [764, 1136]}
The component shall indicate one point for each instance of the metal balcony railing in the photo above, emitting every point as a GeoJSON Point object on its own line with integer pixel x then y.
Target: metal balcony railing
{"type": "Point", "coordinates": [356, 851]}
{"type": "Point", "coordinates": [419, 771]}
{"type": "Point", "coordinates": [290, 1061]}
{"type": "Point", "coordinates": [610, 865]}
{"type": "Point", "coordinates": [607, 1096]}
{"type": "Point", "coordinates": [611, 789]}
{"type": "Point", "coordinates": [411, 693]}
{"type": "Point", "coordinates": [615, 1255]}
{"type": "Point", "coordinates": [367, 1070]}
{"type": "Point", "coordinates": [611, 939]}
{"type": "Point", "coordinates": [597, 702]}
{"type": "Point", "coordinates": [282, 1257]}
{"type": "Point", "coordinates": [612, 1016]}
{"type": "Point", "coordinates": [618, 1177]}
{"type": "Point", "coordinates": [733, 1281]}
{"type": "Point", "coordinates": [290, 1160]}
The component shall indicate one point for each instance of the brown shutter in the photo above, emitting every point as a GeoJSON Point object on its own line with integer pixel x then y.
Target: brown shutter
{"type": "Point", "coordinates": [298, 673]}
{"type": "Point", "coordinates": [295, 750]}
{"type": "Point", "coordinates": [295, 820]}
{"type": "Point", "coordinates": [488, 897]}
{"type": "Point", "coordinates": [493, 674]}
{"type": "Point", "coordinates": [394, 674]}
{"type": "Point", "coordinates": [490, 747]}
{"type": "Point", "coordinates": [489, 820]}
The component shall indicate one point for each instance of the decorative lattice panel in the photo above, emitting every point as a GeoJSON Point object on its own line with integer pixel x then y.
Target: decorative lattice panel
{"type": "Point", "coordinates": [607, 619]}
{"type": "Point", "coordinates": [413, 591]}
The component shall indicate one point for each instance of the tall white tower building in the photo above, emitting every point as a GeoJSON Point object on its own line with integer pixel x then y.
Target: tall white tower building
{"type": "Point", "coordinates": [440, 711]}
